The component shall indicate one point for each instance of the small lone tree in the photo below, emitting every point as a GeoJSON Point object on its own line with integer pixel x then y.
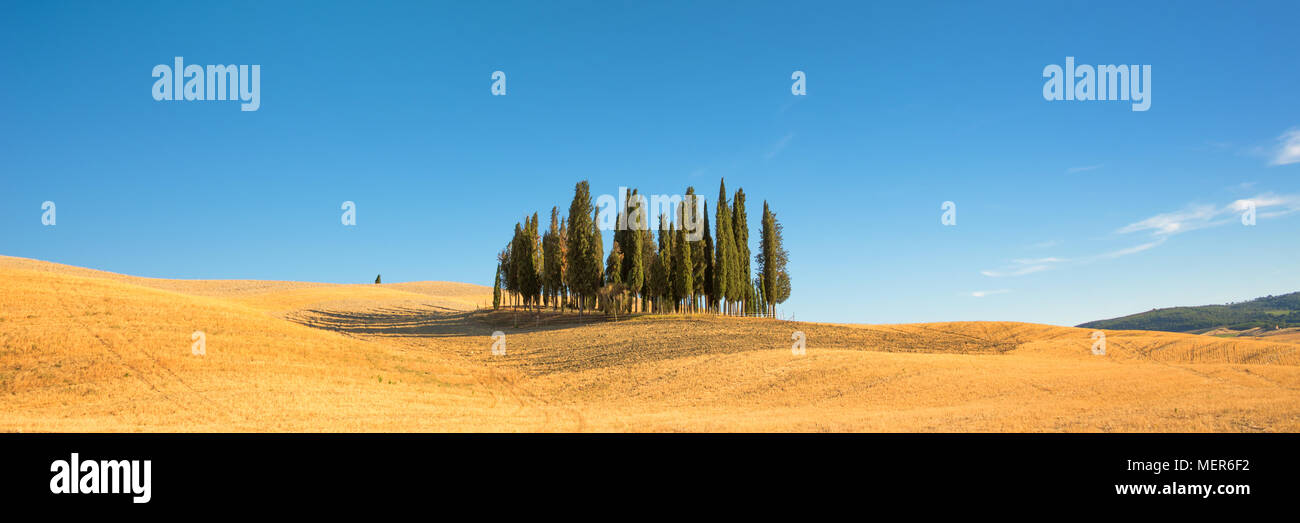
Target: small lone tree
{"type": "Point", "coordinates": [377, 282]}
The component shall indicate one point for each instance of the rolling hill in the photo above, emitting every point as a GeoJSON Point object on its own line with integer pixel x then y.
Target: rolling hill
{"type": "Point", "coordinates": [83, 350]}
{"type": "Point", "coordinates": [1269, 312]}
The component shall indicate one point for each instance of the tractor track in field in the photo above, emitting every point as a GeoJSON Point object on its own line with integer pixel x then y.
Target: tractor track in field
{"type": "Point", "coordinates": [162, 374]}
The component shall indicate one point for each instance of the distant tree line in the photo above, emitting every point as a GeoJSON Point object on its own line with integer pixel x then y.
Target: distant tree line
{"type": "Point", "coordinates": [1267, 312]}
{"type": "Point", "coordinates": [566, 267]}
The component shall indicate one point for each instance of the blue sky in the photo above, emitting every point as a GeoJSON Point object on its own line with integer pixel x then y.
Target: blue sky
{"type": "Point", "coordinates": [1067, 211]}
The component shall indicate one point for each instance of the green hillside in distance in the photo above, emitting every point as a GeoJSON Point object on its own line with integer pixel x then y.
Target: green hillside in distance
{"type": "Point", "coordinates": [1265, 313]}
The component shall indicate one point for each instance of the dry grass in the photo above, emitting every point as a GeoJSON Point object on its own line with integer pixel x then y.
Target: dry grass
{"type": "Point", "coordinates": [83, 350]}
{"type": "Point", "coordinates": [1287, 335]}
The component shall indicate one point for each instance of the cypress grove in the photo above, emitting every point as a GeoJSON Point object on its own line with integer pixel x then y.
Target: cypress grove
{"type": "Point", "coordinates": [675, 271]}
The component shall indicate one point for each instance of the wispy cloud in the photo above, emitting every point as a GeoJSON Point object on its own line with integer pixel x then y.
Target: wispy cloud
{"type": "Point", "coordinates": [1288, 148]}
{"type": "Point", "coordinates": [1201, 216]}
{"type": "Point", "coordinates": [1280, 205]}
{"type": "Point", "coordinates": [1023, 267]}
{"type": "Point", "coordinates": [1126, 251]}
{"type": "Point", "coordinates": [1160, 228]}
{"type": "Point", "coordinates": [778, 147]}
{"type": "Point", "coordinates": [1189, 218]}
{"type": "Point", "coordinates": [981, 294]}
{"type": "Point", "coordinates": [1073, 170]}
{"type": "Point", "coordinates": [1038, 261]}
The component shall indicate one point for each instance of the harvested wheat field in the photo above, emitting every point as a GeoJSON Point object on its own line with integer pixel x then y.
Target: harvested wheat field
{"type": "Point", "coordinates": [83, 350]}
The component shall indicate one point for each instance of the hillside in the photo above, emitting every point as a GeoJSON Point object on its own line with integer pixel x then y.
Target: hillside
{"type": "Point", "coordinates": [1269, 312]}
{"type": "Point", "coordinates": [83, 350]}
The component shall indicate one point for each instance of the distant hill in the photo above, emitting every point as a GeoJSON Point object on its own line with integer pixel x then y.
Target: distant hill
{"type": "Point", "coordinates": [1267, 312]}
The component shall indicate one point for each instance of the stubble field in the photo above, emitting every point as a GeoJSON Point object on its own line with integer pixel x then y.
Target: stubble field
{"type": "Point", "coordinates": [83, 350]}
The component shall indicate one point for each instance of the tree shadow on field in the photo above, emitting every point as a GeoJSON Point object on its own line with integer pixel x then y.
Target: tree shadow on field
{"type": "Point", "coordinates": [646, 336]}
{"type": "Point", "coordinates": [441, 322]}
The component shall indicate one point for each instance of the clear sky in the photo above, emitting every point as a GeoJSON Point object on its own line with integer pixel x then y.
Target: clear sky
{"type": "Point", "coordinates": [1067, 211]}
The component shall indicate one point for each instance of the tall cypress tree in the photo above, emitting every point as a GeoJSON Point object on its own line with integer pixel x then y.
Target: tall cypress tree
{"type": "Point", "coordinates": [740, 234]}
{"type": "Point", "coordinates": [648, 254]}
{"type": "Point", "coordinates": [552, 260]}
{"type": "Point", "coordinates": [706, 257]}
{"type": "Point", "coordinates": [623, 234]}
{"type": "Point", "coordinates": [496, 289]}
{"type": "Point", "coordinates": [503, 268]}
{"type": "Point", "coordinates": [596, 269]}
{"type": "Point", "coordinates": [723, 265]}
{"type": "Point", "coordinates": [683, 285]}
{"type": "Point", "coordinates": [524, 262]}
{"type": "Point", "coordinates": [537, 273]}
{"type": "Point", "coordinates": [635, 266]}
{"type": "Point", "coordinates": [767, 258]}
{"type": "Point", "coordinates": [699, 264]}
{"type": "Point", "coordinates": [513, 281]}
{"type": "Point", "coordinates": [620, 233]}
{"type": "Point", "coordinates": [664, 264]}
{"type": "Point", "coordinates": [777, 260]}
{"type": "Point", "coordinates": [529, 259]}
{"type": "Point", "coordinates": [654, 282]}
{"type": "Point", "coordinates": [579, 256]}
{"type": "Point", "coordinates": [632, 216]}
{"type": "Point", "coordinates": [563, 261]}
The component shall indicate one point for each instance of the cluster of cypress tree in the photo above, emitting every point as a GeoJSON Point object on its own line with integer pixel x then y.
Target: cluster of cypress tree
{"type": "Point", "coordinates": [562, 267]}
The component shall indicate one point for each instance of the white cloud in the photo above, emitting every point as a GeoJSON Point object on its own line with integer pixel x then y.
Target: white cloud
{"type": "Point", "coordinates": [1189, 218]}
{"type": "Point", "coordinates": [1288, 148]}
{"type": "Point", "coordinates": [981, 294]}
{"type": "Point", "coordinates": [1161, 227]}
{"type": "Point", "coordinates": [1202, 216]}
{"type": "Point", "coordinates": [1073, 170]}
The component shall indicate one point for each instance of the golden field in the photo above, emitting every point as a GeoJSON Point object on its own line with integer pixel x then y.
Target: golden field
{"type": "Point", "coordinates": [83, 350]}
